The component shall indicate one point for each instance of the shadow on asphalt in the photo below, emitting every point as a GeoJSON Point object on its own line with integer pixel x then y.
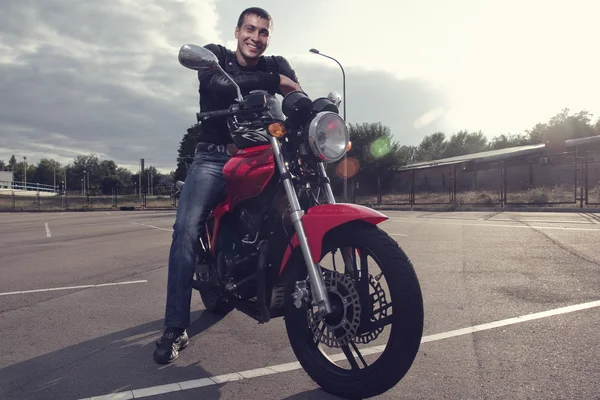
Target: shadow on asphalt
{"type": "Point", "coordinates": [117, 362]}
{"type": "Point", "coordinates": [315, 394]}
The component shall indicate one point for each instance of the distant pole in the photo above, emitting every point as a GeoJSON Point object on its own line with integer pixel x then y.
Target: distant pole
{"type": "Point", "coordinates": [140, 176]}
{"type": "Point", "coordinates": [315, 51]}
{"type": "Point", "coordinates": [25, 172]}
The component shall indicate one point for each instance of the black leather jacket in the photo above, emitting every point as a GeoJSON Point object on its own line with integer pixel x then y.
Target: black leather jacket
{"type": "Point", "coordinates": [217, 92]}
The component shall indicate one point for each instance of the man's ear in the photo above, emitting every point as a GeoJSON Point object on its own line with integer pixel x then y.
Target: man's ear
{"type": "Point", "coordinates": [236, 33]}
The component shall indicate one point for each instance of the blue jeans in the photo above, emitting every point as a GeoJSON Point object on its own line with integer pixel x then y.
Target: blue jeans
{"type": "Point", "coordinates": [203, 190]}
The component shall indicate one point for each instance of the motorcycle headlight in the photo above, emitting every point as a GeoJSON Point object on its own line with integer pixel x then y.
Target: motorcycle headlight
{"type": "Point", "coordinates": [328, 136]}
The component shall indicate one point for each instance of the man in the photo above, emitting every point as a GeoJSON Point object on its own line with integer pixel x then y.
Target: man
{"type": "Point", "coordinates": [204, 185]}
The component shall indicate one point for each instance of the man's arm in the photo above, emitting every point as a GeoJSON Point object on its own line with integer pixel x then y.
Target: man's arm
{"type": "Point", "coordinates": [286, 69]}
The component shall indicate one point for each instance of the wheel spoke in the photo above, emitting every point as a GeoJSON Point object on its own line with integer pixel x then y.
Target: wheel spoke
{"type": "Point", "coordinates": [380, 323]}
{"type": "Point", "coordinates": [350, 357]}
{"type": "Point", "coordinates": [382, 309]}
{"type": "Point", "coordinates": [358, 354]}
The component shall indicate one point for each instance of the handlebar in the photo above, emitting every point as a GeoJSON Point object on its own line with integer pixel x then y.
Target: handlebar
{"type": "Point", "coordinates": [201, 116]}
{"type": "Point", "coordinates": [235, 109]}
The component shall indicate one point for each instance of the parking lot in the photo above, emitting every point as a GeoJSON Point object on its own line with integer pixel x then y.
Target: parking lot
{"type": "Point", "coordinates": [512, 310]}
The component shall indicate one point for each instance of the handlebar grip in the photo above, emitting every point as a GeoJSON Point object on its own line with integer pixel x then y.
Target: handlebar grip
{"type": "Point", "coordinates": [211, 114]}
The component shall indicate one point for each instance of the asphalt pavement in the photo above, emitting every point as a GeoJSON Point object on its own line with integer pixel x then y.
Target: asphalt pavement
{"type": "Point", "coordinates": [512, 310]}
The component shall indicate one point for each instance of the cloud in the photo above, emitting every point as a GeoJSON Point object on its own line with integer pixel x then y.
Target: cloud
{"type": "Point", "coordinates": [99, 77]}
{"type": "Point", "coordinates": [103, 77]}
{"type": "Point", "coordinates": [411, 107]}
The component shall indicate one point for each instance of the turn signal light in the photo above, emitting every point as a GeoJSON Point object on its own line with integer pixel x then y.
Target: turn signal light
{"type": "Point", "coordinates": [277, 129]}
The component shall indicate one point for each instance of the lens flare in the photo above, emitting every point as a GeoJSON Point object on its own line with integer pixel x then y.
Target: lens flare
{"type": "Point", "coordinates": [380, 147]}
{"type": "Point", "coordinates": [352, 167]}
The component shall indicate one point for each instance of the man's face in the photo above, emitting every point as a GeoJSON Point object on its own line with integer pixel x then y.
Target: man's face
{"type": "Point", "coordinates": [254, 36]}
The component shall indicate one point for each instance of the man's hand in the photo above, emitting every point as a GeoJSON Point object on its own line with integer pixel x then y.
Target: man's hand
{"type": "Point", "coordinates": [286, 85]}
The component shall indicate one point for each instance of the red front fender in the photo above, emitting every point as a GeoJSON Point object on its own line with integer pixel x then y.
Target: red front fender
{"type": "Point", "coordinates": [321, 219]}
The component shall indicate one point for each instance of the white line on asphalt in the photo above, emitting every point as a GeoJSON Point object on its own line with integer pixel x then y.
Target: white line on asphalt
{"type": "Point", "coordinates": [398, 234]}
{"type": "Point", "coordinates": [588, 222]}
{"type": "Point", "coordinates": [107, 212]}
{"type": "Point", "coordinates": [155, 227]}
{"type": "Point", "coordinates": [255, 373]}
{"type": "Point", "coordinates": [48, 231]}
{"type": "Point", "coordinates": [486, 225]}
{"type": "Point", "coordinates": [74, 287]}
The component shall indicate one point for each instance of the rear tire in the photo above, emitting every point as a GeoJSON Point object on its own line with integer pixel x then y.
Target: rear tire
{"type": "Point", "coordinates": [406, 319]}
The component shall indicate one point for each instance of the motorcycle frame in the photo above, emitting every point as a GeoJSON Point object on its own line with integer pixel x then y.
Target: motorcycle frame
{"type": "Point", "coordinates": [310, 228]}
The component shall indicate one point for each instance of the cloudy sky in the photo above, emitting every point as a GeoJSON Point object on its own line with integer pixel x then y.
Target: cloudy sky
{"type": "Point", "coordinates": [102, 76]}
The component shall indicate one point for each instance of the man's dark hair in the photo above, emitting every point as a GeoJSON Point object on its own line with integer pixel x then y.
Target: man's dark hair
{"type": "Point", "coordinates": [254, 11]}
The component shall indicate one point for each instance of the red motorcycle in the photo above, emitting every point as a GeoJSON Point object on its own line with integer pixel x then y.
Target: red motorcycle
{"type": "Point", "coordinates": [266, 245]}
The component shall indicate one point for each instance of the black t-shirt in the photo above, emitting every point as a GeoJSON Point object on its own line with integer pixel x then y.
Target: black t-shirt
{"type": "Point", "coordinates": [217, 92]}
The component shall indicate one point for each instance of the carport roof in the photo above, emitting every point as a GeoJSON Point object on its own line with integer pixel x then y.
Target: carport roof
{"type": "Point", "coordinates": [497, 155]}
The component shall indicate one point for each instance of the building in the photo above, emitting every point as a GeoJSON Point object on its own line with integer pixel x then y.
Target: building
{"type": "Point", "coordinates": [6, 179]}
{"type": "Point", "coordinates": [567, 170]}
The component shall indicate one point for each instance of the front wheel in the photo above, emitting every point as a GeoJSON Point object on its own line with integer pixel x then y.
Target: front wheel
{"type": "Point", "coordinates": [364, 308]}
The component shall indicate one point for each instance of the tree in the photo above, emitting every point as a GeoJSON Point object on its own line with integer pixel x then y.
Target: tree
{"type": "Point", "coordinates": [563, 126]}
{"type": "Point", "coordinates": [432, 147]}
{"type": "Point", "coordinates": [374, 148]}
{"type": "Point", "coordinates": [187, 148]}
{"type": "Point", "coordinates": [12, 163]}
{"type": "Point", "coordinates": [90, 164]}
{"type": "Point", "coordinates": [463, 142]}
{"type": "Point", "coordinates": [45, 171]}
{"type": "Point", "coordinates": [504, 141]}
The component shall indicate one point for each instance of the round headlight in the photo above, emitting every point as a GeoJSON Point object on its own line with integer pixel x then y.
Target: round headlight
{"type": "Point", "coordinates": [328, 136]}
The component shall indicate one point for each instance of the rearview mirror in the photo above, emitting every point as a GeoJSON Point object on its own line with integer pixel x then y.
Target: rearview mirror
{"type": "Point", "coordinates": [196, 57]}
{"type": "Point", "coordinates": [199, 58]}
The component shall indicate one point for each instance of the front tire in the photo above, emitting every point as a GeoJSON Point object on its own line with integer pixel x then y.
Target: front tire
{"type": "Point", "coordinates": [406, 321]}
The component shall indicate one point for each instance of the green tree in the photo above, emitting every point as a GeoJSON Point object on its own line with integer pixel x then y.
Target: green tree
{"type": "Point", "coordinates": [374, 148]}
{"type": "Point", "coordinates": [504, 141]}
{"type": "Point", "coordinates": [45, 170]}
{"type": "Point", "coordinates": [432, 147]}
{"type": "Point", "coordinates": [187, 147]}
{"type": "Point", "coordinates": [563, 126]}
{"type": "Point", "coordinates": [12, 163]}
{"type": "Point", "coordinates": [463, 142]}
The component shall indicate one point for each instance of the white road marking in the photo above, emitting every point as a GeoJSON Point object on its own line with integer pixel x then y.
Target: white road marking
{"type": "Point", "coordinates": [107, 212]}
{"type": "Point", "coordinates": [155, 227]}
{"type": "Point", "coordinates": [74, 287]}
{"type": "Point", "coordinates": [255, 373]}
{"type": "Point", "coordinates": [48, 231]}
{"type": "Point", "coordinates": [588, 222]}
{"type": "Point", "coordinates": [486, 225]}
{"type": "Point", "coordinates": [398, 234]}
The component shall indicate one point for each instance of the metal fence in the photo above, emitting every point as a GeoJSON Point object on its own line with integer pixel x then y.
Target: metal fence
{"type": "Point", "coordinates": [90, 198]}
{"type": "Point", "coordinates": [558, 180]}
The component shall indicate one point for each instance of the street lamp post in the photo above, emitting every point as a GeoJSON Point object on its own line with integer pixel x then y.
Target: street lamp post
{"type": "Point", "coordinates": [25, 172]}
{"type": "Point", "coordinates": [315, 51]}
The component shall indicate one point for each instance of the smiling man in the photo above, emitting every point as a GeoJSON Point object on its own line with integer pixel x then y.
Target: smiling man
{"type": "Point", "coordinates": [205, 185]}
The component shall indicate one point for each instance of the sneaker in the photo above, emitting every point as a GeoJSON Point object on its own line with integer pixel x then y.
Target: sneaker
{"type": "Point", "coordinates": [170, 343]}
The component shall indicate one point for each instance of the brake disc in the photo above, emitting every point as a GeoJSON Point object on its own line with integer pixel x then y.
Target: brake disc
{"type": "Point", "coordinates": [380, 304]}
{"type": "Point", "coordinates": [340, 328]}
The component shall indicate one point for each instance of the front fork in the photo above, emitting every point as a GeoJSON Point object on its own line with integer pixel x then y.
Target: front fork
{"type": "Point", "coordinates": [346, 251]}
{"type": "Point", "coordinates": [318, 290]}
